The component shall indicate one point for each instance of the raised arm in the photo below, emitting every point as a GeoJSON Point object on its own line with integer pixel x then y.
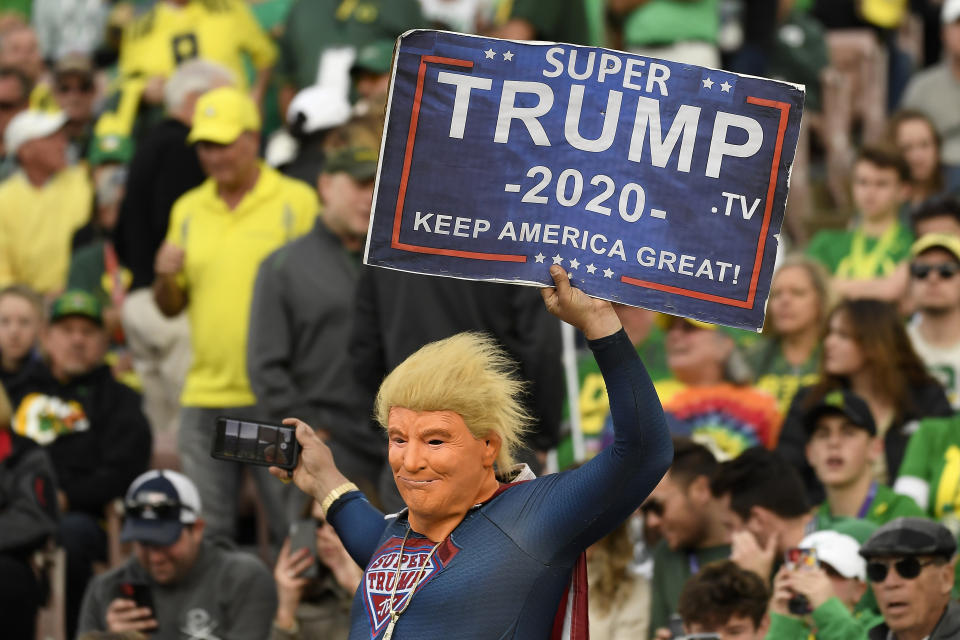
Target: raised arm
{"type": "Point", "coordinates": [564, 513]}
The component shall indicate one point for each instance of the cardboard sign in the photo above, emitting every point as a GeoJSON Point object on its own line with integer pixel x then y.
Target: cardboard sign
{"type": "Point", "coordinates": [655, 184]}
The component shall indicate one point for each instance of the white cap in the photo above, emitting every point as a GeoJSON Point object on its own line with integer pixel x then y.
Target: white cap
{"type": "Point", "coordinates": [838, 550]}
{"type": "Point", "coordinates": [30, 125]}
{"type": "Point", "coordinates": [950, 12]}
{"type": "Point", "coordinates": [319, 108]}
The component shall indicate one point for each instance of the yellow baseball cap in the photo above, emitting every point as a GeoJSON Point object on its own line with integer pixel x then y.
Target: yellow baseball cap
{"type": "Point", "coordinates": [664, 320]}
{"type": "Point", "coordinates": [221, 115]}
{"type": "Point", "coordinates": [941, 240]}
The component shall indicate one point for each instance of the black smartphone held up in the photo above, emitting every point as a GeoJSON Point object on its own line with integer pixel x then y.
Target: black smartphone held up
{"type": "Point", "coordinates": [255, 443]}
{"type": "Point", "coordinates": [303, 535]}
{"type": "Point", "coordinates": [140, 593]}
{"type": "Point", "coordinates": [675, 625]}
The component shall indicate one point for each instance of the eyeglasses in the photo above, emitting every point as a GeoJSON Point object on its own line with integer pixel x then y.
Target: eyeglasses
{"type": "Point", "coordinates": [946, 270]}
{"type": "Point", "coordinates": [908, 568]}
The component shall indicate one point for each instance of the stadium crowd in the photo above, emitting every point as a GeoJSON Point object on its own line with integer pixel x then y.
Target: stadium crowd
{"type": "Point", "coordinates": [185, 191]}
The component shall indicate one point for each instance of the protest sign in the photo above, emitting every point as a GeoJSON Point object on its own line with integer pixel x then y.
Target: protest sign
{"type": "Point", "coordinates": [655, 184]}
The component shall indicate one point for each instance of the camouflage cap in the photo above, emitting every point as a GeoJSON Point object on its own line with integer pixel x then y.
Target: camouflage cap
{"type": "Point", "coordinates": [910, 537]}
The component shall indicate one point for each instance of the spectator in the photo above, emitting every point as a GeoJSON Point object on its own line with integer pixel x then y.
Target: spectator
{"type": "Point", "coordinates": [940, 215]}
{"type": "Point", "coordinates": [726, 600]}
{"type": "Point", "coordinates": [322, 37]}
{"type": "Point", "coordinates": [678, 30]}
{"type": "Point", "coordinates": [317, 607]}
{"type": "Point", "coordinates": [199, 588]}
{"type": "Point", "coordinates": [90, 425]}
{"type": "Point", "coordinates": [14, 98]}
{"type": "Point", "coordinates": [218, 234]}
{"type": "Point", "coordinates": [559, 21]}
{"type": "Point", "coordinates": [788, 356]}
{"type": "Point", "coordinates": [28, 517]}
{"type": "Point", "coordinates": [169, 34]}
{"type": "Point", "coordinates": [834, 590]}
{"type": "Point", "coordinates": [936, 91]}
{"type": "Point", "coordinates": [691, 524]}
{"type": "Point", "coordinates": [19, 49]}
{"type": "Point", "coordinates": [397, 313]}
{"type": "Point", "coordinates": [21, 318]}
{"type": "Point", "coordinates": [314, 115]}
{"type": "Point", "coordinates": [41, 205]}
{"type": "Point", "coordinates": [302, 315]}
{"type": "Point", "coordinates": [619, 603]}
{"type": "Point", "coordinates": [935, 293]}
{"type": "Point", "coordinates": [764, 507]}
{"type": "Point", "coordinates": [910, 565]}
{"type": "Point", "coordinates": [75, 91]}
{"type": "Point", "coordinates": [842, 447]}
{"type": "Point", "coordinates": [164, 167]}
{"type": "Point", "coordinates": [916, 137]}
{"type": "Point", "coordinates": [69, 26]}
{"type": "Point", "coordinates": [929, 473]}
{"type": "Point", "coordinates": [864, 260]}
{"type": "Point", "coordinates": [867, 351]}
{"type": "Point", "coordinates": [707, 398]}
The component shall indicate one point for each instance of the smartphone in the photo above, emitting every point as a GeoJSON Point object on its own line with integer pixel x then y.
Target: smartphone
{"type": "Point", "coordinates": [259, 443]}
{"type": "Point", "coordinates": [140, 593]}
{"type": "Point", "coordinates": [797, 559]}
{"type": "Point", "coordinates": [303, 535]}
{"type": "Point", "coordinates": [675, 625]}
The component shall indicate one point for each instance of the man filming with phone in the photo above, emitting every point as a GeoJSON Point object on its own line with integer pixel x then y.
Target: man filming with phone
{"type": "Point", "coordinates": [177, 584]}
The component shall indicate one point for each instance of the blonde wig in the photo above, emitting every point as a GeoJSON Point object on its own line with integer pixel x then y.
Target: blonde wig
{"type": "Point", "coordinates": [469, 374]}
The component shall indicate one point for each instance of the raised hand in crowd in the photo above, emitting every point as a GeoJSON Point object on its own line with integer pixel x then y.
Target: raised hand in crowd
{"type": "Point", "coordinates": [811, 583]}
{"type": "Point", "coordinates": [749, 555]}
{"type": "Point", "coordinates": [169, 260]}
{"type": "Point", "coordinates": [290, 584]}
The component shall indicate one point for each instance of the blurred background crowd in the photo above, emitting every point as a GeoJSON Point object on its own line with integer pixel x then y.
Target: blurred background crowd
{"type": "Point", "coordinates": [185, 188]}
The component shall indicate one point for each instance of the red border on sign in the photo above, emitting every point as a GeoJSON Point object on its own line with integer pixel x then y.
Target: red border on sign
{"type": "Point", "coordinates": [784, 108]}
{"type": "Point", "coordinates": [405, 176]}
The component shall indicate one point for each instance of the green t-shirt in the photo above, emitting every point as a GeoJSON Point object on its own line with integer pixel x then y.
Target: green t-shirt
{"type": "Point", "coordinates": [573, 21]}
{"type": "Point", "coordinates": [885, 506]}
{"type": "Point", "coordinates": [662, 22]}
{"type": "Point", "coordinates": [829, 621]}
{"type": "Point", "coordinates": [932, 459]}
{"type": "Point", "coordinates": [851, 254]}
{"type": "Point", "coordinates": [775, 375]}
{"type": "Point", "coordinates": [671, 570]}
{"type": "Point", "coordinates": [315, 28]}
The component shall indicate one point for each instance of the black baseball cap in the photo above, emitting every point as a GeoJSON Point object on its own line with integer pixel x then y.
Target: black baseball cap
{"type": "Point", "coordinates": [841, 402]}
{"type": "Point", "coordinates": [910, 537]}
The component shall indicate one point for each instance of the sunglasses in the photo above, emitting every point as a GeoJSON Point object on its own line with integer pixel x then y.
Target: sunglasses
{"type": "Point", "coordinates": [946, 270]}
{"type": "Point", "coordinates": [908, 568]}
{"type": "Point", "coordinates": [154, 509]}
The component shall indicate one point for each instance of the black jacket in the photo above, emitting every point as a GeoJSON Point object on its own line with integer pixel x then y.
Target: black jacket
{"type": "Point", "coordinates": [927, 400]}
{"type": "Point", "coordinates": [163, 168]}
{"type": "Point", "coordinates": [28, 497]}
{"type": "Point", "coordinates": [92, 428]}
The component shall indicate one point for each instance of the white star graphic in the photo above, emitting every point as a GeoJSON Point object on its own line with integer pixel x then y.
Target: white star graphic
{"type": "Point", "coordinates": [557, 259]}
{"type": "Point", "coordinates": [608, 273]}
{"type": "Point", "coordinates": [725, 87]}
{"type": "Point", "coordinates": [591, 268]}
{"type": "Point", "coordinates": [508, 56]}
{"type": "Point", "coordinates": [539, 258]}
{"type": "Point", "coordinates": [490, 53]}
{"type": "Point", "coordinates": [708, 84]}
{"type": "Point", "coordinates": [574, 264]}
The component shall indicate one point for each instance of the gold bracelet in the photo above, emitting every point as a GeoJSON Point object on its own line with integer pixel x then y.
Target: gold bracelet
{"type": "Point", "coordinates": [332, 497]}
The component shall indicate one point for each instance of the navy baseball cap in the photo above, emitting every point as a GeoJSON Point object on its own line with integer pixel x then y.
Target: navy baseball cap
{"type": "Point", "coordinates": [158, 504]}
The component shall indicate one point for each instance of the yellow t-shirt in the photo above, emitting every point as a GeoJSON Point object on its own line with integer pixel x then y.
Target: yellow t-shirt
{"type": "Point", "coordinates": [217, 30]}
{"type": "Point", "coordinates": [37, 226]}
{"type": "Point", "coordinates": [224, 249]}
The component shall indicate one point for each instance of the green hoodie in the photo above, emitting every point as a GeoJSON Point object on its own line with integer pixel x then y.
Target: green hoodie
{"type": "Point", "coordinates": [829, 621]}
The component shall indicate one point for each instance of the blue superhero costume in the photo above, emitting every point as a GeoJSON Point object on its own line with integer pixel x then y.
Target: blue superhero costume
{"type": "Point", "coordinates": [506, 567]}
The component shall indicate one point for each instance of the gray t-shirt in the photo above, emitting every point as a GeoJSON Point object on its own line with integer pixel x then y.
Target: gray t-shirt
{"type": "Point", "coordinates": [226, 595]}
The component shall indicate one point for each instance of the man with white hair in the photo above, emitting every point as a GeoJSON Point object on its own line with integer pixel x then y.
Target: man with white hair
{"type": "Point", "coordinates": [824, 599]}
{"type": "Point", "coordinates": [194, 588]}
{"type": "Point", "coordinates": [164, 167]}
{"type": "Point", "coordinates": [42, 204]}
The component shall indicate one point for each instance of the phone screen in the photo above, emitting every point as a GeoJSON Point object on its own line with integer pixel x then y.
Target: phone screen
{"type": "Point", "coordinates": [797, 558]}
{"type": "Point", "coordinates": [255, 443]}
